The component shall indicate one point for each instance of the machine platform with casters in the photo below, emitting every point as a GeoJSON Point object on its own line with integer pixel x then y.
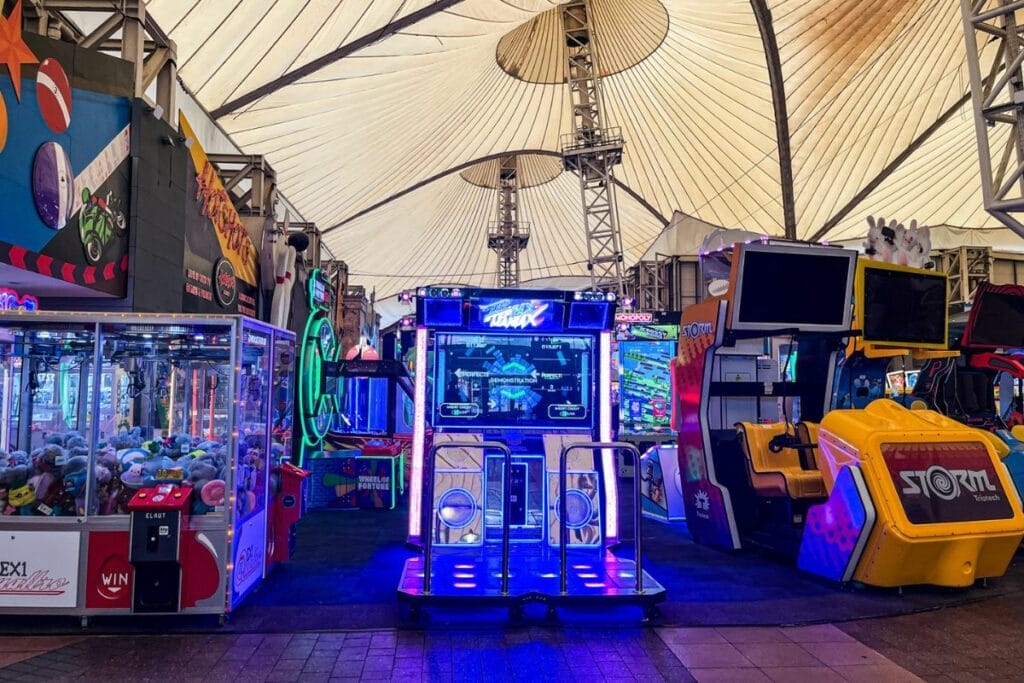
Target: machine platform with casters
{"type": "Point", "coordinates": [519, 392]}
{"type": "Point", "coordinates": [571, 573]}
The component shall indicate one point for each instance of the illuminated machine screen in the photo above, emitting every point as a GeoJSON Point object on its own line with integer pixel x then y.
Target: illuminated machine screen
{"type": "Point", "coordinates": [999, 321]}
{"type": "Point", "coordinates": [525, 381]}
{"type": "Point", "coordinates": [645, 386]}
{"type": "Point", "coordinates": [780, 287]}
{"type": "Point", "coordinates": [904, 308]}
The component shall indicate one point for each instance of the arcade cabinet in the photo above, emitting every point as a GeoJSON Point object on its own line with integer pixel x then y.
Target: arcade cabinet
{"type": "Point", "coordinates": [748, 478]}
{"type": "Point", "coordinates": [318, 349]}
{"type": "Point", "coordinates": [990, 347]}
{"type": "Point", "coordinates": [186, 409]}
{"type": "Point", "coordinates": [645, 346]}
{"type": "Point", "coordinates": [512, 390]}
{"type": "Point", "coordinates": [881, 495]}
{"type": "Point", "coordinates": [363, 464]}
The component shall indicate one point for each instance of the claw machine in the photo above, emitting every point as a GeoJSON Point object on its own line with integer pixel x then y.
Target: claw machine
{"type": "Point", "coordinates": [108, 415]}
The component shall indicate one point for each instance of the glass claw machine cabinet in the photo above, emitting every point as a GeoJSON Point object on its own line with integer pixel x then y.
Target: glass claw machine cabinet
{"type": "Point", "coordinates": [102, 409]}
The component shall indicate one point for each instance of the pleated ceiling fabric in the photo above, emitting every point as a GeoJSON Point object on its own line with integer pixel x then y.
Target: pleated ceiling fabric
{"type": "Point", "coordinates": [385, 148]}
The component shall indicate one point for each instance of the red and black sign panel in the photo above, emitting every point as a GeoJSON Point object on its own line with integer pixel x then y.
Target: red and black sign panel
{"type": "Point", "coordinates": [946, 482]}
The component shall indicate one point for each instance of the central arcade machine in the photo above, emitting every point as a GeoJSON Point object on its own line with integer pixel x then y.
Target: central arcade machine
{"type": "Point", "coordinates": [881, 495]}
{"type": "Point", "coordinates": [513, 407]}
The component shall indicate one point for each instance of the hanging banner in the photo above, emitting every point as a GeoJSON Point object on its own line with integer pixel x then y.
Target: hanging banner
{"type": "Point", "coordinates": [220, 257]}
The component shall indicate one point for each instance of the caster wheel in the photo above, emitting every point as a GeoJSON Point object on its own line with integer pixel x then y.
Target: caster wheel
{"type": "Point", "coordinates": [650, 614]}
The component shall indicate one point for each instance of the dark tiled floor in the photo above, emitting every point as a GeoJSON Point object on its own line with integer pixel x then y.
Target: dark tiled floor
{"type": "Point", "coordinates": [528, 654]}
{"type": "Point", "coordinates": [809, 654]}
{"type": "Point", "coordinates": [979, 642]}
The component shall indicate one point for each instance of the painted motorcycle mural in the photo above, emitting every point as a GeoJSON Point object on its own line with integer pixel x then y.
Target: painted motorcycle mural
{"type": "Point", "coordinates": [100, 221]}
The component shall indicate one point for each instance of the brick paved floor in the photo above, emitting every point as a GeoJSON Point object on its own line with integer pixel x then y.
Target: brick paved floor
{"type": "Point", "coordinates": [807, 654]}
{"type": "Point", "coordinates": [979, 642]}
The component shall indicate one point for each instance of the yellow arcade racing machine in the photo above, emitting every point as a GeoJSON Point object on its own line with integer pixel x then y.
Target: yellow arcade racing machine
{"type": "Point", "coordinates": [882, 495]}
{"type": "Point", "coordinates": [914, 497]}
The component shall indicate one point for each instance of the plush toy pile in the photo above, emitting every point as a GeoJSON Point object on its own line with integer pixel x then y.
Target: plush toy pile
{"type": "Point", "coordinates": [896, 243]}
{"type": "Point", "coordinates": [52, 479]}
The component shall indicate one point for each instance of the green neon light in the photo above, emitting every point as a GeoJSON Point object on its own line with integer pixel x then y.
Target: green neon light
{"type": "Point", "coordinates": [315, 407]}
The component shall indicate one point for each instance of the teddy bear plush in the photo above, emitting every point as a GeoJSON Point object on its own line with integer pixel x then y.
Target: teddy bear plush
{"type": "Point", "coordinates": [126, 439]}
{"type": "Point", "coordinates": [71, 499]}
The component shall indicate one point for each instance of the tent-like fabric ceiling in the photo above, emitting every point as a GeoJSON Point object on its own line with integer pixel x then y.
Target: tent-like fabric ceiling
{"type": "Point", "coordinates": [760, 114]}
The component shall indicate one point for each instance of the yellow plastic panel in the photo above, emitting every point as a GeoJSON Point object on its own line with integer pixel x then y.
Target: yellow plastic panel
{"type": "Point", "coordinates": [776, 474]}
{"type": "Point", "coordinates": [946, 510]}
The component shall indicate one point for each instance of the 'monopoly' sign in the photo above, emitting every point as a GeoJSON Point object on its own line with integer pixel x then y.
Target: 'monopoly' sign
{"type": "Point", "coordinates": [39, 568]}
{"type": "Point", "coordinates": [946, 482]}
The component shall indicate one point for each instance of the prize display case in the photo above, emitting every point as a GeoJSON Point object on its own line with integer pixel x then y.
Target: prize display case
{"type": "Point", "coordinates": [99, 407]}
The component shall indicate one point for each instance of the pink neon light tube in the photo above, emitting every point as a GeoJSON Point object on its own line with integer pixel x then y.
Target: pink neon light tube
{"type": "Point", "coordinates": [419, 431]}
{"type": "Point", "coordinates": [607, 456]}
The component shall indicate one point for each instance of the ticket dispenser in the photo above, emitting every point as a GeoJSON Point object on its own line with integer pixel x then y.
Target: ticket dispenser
{"type": "Point", "coordinates": [159, 517]}
{"type": "Point", "coordinates": [289, 507]}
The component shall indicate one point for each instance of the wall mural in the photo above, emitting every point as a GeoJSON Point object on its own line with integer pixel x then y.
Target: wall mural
{"type": "Point", "coordinates": [64, 171]}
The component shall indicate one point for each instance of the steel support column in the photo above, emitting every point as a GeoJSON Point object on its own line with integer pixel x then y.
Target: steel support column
{"type": "Point", "coordinates": [507, 236]}
{"type": "Point", "coordinates": [592, 150]}
{"type": "Point", "coordinates": [997, 103]}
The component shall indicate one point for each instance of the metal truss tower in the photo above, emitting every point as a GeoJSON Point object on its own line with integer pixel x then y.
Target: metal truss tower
{"type": "Point", "coordinates": [998, 99]}
{"type": "Point", "coordinates": [592, 150]}
{"type": "Point", "coordinates": [508, 236]}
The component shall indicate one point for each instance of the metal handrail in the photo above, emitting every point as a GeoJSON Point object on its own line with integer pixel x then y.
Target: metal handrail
{"type": "Point", "coordinates": [563, 527]}
{"type": "Point", "coordinates": [505, 507]}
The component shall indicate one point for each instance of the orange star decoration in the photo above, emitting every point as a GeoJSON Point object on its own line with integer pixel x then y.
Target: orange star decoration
{"type": "Point", "coordinates": [13, 50]}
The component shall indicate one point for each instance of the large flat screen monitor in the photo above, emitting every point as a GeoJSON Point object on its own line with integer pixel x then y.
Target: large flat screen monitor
{"type": "Point", "coordinates": [645, 387]}
{"type": "Point", "coordinates": [784, 287]}
{"type": "Point", "coordinates": [522, 381]}
{"type": "Point", "coordinates": [903, 308]}
{"type": "Point", "coordinates": [998, 321]}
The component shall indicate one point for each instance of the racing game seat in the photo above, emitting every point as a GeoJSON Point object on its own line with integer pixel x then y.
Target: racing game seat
{"type": "Point", "coordinates": [780, 463]}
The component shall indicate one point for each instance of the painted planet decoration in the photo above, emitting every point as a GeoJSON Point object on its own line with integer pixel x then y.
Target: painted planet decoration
{"type": "Point", "coordinates": [53, 184]}
{"type": "Point", "coordinates": [3, 123]}
{"type": "Point", "coordinates": [53, 91]}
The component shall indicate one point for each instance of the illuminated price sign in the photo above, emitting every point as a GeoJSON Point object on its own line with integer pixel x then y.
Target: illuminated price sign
{"type": "Point", "coordinates": [567, 411]}
{"type": "Point", "coordinates": [459, 410]}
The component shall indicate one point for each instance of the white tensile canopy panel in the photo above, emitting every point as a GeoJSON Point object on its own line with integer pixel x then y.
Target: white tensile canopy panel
{"type": "Point", "coordinates": [754, 114]}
